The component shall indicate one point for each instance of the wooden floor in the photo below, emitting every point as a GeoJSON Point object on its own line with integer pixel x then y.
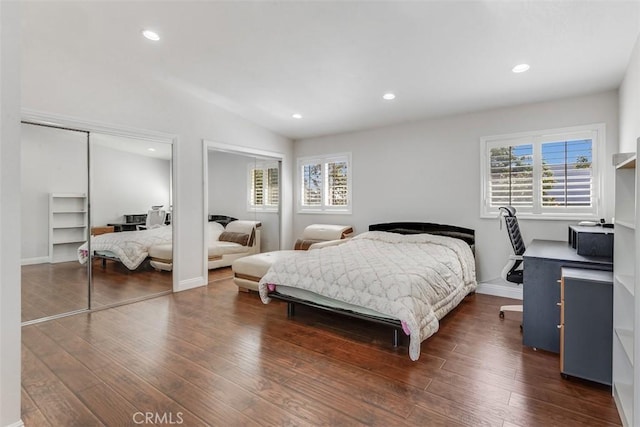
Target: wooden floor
{"type": "Point", "coordinates": [50, 289]}
{"type": "Point", "coordinates": [213, 356]}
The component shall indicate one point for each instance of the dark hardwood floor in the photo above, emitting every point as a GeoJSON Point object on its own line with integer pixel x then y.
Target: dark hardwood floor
{"type": "Point", "coordinates": [213, 356]}
{"type": "Point", "coordinates": [50, 289]}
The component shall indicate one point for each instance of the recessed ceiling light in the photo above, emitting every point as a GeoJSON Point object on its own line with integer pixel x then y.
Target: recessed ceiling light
{"type": "Point", "coordinates": [296, 116]}
{"type": "Point", "coordinates": [151, 35]}
{"type": "Point", "coordinates": [151, 149]}
{"type": "Point", "coordinates": [520, 68]}
{"type": "Point", "coordinates": [389, 96]}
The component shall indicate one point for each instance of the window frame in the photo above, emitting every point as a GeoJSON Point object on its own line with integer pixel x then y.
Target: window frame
{"type": "Point", "coordinates": [324, 207]}
{"type": "Point", "coordinates": [596, 132]}
{"type": "Point", "coordinates": [264, 166]}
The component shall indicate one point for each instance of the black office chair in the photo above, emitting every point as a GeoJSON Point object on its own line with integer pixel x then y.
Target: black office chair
{"type": "Point", "coordinates": [513, 272]}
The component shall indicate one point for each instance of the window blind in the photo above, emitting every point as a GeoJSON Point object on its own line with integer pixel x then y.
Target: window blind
{"type": "Point", "coordinates": [257, 187]}
{"type": "Point", "coordinates": [567, 173]}
{"type": "Point", "coordinates": [273, 186]}
{"type": "Point", "coordinates": [550, 173]}
{"type": "Point", "coordinates": [511, 176]}
{"type": "Point", "coordinates": [312, 185]}
{"type": "Point", "coordinates": [324, 183]}
{"type": "Point", "coordinates": [337, 184]}
{"type": "Point", "coordinates": [264, 188]}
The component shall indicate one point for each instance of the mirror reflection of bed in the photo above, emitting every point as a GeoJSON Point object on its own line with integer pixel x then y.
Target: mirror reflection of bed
{"type": "Point", "coordinates": [127, 178]}
{"type": "Point", "coordinates": [131, 184]}
{"type": "Point", "coordinates": [247, 188]}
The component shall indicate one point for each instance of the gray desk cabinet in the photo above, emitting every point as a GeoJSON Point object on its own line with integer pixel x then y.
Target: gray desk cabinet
{"type": "Point", "coordinates": [586, 319]}
{"type": "Point", "coordinates": [543, 262]}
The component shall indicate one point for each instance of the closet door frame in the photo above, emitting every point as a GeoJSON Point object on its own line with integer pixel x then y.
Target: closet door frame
{"type": "Point", "coordinates": [207, 146]}
{"type": "Point", "coordinates": [34, 117]}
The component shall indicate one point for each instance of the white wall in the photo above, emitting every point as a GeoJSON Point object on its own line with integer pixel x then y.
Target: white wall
{"type": "Point", "coordinates": [630, 103]}
{"type": "Point", "coordinates": [126, 183]}
{"type": "Point", "coordinates": [228, 175]}
{"type": "Point", "coordinates": [436, 169]}
{"type": "Point", "coordinates": [9, 214]}
{"type": "Point", "coordinates": [55, 81]}
{"type": "Point", "coordinates": [53, 161]}
{"type": "Point", "coordinates": [228, 184]}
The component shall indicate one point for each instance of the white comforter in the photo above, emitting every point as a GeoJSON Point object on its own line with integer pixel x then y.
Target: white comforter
{"type": "Point", "coordinates": [416, 279]}
{"type": "Point", "coordinates": [131, 247]}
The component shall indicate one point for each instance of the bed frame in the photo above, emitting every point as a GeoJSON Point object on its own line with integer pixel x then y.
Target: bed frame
{"type": "Point", "coordinates": [465, 234]}
{"type": "Point", "coordinates": [104, 258]}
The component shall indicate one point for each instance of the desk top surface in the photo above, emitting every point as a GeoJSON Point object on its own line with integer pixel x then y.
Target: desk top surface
{"type": "Point", "coordinates": [561, 251]}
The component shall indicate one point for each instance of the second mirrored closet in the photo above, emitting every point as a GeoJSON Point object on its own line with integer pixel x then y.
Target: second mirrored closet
{"type": "Point", "coordinates": [243, 188]}
{"type": "Point", "coordinates": [94, 208]}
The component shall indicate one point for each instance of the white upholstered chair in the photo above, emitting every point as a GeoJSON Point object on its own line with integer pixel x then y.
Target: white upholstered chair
{"type": "Point", "coordinates": [247, 271]}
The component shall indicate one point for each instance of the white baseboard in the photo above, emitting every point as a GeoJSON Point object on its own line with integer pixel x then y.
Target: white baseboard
{"type": "Point", "coordinates": [500, 290]}
{"type": "Point", "coordinates": [184, 285]}
{"type": "Point", "coordinates": [18, 423]}
{"type": "Point", "coordinates": [37, 260]}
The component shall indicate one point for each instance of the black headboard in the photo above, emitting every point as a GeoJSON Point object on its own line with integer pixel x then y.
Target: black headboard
{"type": "Point", "coordinates": [222, 219]}
{"type": "Point", "coordinates": [466, 234]}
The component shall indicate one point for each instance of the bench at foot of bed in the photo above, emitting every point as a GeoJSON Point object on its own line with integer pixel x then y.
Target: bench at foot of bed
{"type": "Point", "coordinates": [161, 257]}
{"type": "Point", "coordinates": [248, 271]}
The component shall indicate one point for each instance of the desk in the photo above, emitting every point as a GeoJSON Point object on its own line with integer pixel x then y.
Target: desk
{"type": "Point", "coordinates": [125, 226]}
{"type": "Point", "coordinates": [543, 262]}
{"type": "Point", "coordinates": [96, 231]}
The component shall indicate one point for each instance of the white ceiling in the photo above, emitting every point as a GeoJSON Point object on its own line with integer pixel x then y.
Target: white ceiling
{"type": "Point", "coordinates": [141, 147]}
{"type": "Point", "coordinates": [332, 61]}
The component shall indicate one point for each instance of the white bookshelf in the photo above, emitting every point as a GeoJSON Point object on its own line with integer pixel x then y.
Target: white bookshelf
{"type": "Point", "coordinates": [67, 225]}
{"type": "Point", "coordinates": [626, 337]}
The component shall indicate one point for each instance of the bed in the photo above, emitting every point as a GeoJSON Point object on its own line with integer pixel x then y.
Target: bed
{"type": "Point", "coordinates": [229, 239]}
{"type": "Point", "coordinates": [406, 275]}
{"type": "Point", "coordinates": [130, 248]}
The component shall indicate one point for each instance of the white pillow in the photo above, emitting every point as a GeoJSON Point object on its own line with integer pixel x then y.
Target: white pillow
{"type": "Point", "coordinates": [240, 226]}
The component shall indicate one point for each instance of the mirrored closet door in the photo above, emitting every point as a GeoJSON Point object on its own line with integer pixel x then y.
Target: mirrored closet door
{"type": "Point", "coordinates": [131, 212]}
{"type": "Point", "coordinates": [91, 208]}
{"type": "Point", "coordinates": [55, 221]}
{"type": "Point", "coordinates": [245, 187]}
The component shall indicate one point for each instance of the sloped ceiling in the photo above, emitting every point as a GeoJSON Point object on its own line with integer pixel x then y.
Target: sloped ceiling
{"type": "Point", "coordinates": [332, 61]}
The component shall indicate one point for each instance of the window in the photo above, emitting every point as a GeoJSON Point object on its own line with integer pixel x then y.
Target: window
{"type": "Point", "coordinates": [325, 184]}
{"type": "Point", "coordinates": [547, 174]}
{"type": "Point", "coordinates": [264, 187]}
